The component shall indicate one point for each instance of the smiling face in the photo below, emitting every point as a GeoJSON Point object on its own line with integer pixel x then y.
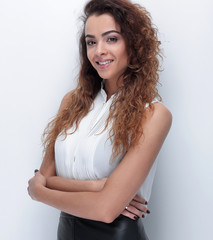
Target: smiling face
{"type": "Point", "coordinates": [106, 47]}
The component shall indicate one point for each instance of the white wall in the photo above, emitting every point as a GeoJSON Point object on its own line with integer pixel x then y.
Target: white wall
{"type": "Point", "coordinates": [38, 65]}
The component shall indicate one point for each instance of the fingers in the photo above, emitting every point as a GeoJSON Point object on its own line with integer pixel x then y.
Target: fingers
{"type": "Point", "coordinates": [30, 182]}
{"type": "Point", "coordinates": [138, 206]}
{"type": "Point", "coordinates": [140, 199]}
{"type": "Point", "coordinates": [37, 172]}
{"type": "Point", "coordinates": [130, 215]}
{"type": "Point", "coordinates": [135, 211]}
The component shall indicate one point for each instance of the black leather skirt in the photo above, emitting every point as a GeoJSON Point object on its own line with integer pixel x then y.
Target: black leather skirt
{"type": "Point", "coordinates": [122, 228]}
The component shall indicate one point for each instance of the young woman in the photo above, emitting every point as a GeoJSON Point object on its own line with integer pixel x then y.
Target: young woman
{"type": "Point", "coordinates": [100, 149]}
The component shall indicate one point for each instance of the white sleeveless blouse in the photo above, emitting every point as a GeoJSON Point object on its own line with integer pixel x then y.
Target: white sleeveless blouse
{"type": "Point", "coordinates": [85, 154]}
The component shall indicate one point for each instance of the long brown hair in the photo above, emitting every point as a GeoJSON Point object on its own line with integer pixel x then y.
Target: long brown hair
{"type": "Point", "coordinates": [139, 80]}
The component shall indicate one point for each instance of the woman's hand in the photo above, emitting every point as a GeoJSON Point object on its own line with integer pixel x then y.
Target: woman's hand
{"type": "Point", "coordinates": [136, 208]}
{"type": "Point", "coordinates": [35, 184]}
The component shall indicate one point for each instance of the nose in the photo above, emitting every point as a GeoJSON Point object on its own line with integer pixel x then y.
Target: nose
{"type": "Point", "coordinates": [101, 49]}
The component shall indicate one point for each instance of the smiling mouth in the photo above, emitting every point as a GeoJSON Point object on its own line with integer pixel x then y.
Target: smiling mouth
{"type": "Point", "coordinates": [104, 63]}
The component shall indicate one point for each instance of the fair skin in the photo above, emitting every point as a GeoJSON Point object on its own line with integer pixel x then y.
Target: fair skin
{"type": "Point", "coordinates": [136, 207]}
{"type": "Point", "coordinates": [109, 58]}
{"type": "Point", "coordinates": [106, 50]}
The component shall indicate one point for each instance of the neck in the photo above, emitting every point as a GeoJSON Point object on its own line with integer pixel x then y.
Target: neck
{"type": "Point", "coordinates": [111, 87]}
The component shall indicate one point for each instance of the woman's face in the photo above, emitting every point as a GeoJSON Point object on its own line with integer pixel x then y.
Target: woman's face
{"type": "Point", "coordinates": [106, 47]}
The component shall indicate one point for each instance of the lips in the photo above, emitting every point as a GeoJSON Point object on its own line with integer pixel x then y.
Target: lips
{"type": "Point", "coordinates": [104, 62]}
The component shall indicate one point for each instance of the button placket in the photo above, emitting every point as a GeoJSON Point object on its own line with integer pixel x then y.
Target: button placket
{"type": "Point", "coordinates": [101, 118]}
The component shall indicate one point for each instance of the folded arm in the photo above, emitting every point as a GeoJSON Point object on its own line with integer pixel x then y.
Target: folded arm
{"type": "Point", "coordinates": [122, 184]}
{"type": "Point", "coordinates": [72, 185]}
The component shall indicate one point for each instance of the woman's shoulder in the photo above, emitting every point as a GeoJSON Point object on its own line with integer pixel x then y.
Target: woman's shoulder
{"type": "Point", "coordinates": [159, 113]}
{"type": "Point", "coordinates": [160, 108]}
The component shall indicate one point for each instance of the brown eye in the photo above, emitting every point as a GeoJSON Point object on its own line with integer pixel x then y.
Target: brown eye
{"type": "Point", "coordinates": [112, 39]}
{"type": "Point", "coordinates": [90, 43]}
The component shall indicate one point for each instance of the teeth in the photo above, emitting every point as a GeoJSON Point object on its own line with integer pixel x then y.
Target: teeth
{"type": "Point", "coordinates": [102, 63]}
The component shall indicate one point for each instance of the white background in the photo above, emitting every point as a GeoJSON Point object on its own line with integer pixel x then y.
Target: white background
{"type": "Point", "coordinates": [39, 64]}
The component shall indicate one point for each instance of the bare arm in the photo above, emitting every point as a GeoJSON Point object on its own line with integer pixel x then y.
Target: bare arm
{"type": "Point", "coordinates": [72, 185]}
{"type": "Point", "coordinates": [48, 170]}
{"type": "Point", "coordinates": [48, 165]}
{"type": "Point", "coordinates": [135, 209]}
{"type": "Point", "coordinates": [64, 184]}
{"type": "Point", "coordinates": [107, 204]}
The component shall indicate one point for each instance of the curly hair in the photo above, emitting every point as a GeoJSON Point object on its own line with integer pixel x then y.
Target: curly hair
{"type": "Point", "coordinates": [140, 79]}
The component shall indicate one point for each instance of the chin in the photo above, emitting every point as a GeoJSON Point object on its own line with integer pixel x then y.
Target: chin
{"type": "Point", "coordinates": [104, 76]}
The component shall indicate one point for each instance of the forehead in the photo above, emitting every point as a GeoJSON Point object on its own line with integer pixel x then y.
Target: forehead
{"type": "Point", "coordinates": [99, 24]}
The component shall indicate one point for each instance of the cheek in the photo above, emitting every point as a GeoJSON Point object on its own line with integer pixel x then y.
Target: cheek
{"type": "Point", "coordinates": [89, 53]}
{"type": "Point", "coordinates": [90, 56]}
{"type": "Point", "coordinates": [123, 55]}
{"type": "Point", "coordinates": [124, 58]}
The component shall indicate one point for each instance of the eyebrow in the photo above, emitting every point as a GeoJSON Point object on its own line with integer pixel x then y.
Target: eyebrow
{"type": "Point", "coordinates": [103, 34]}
